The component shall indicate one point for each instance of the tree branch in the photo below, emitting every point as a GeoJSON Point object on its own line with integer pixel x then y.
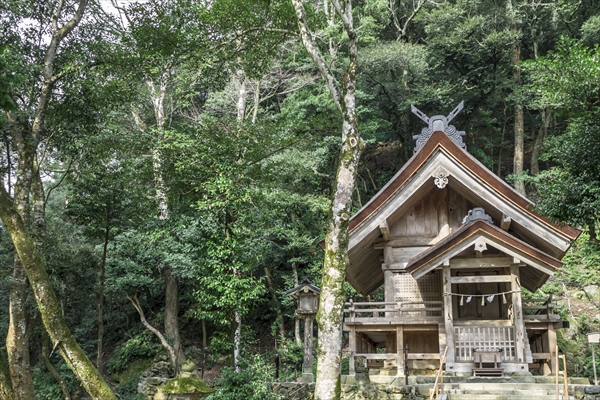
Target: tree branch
{"type": "Point", "coordinates": [159, 335]}
{"type": "Point", "coordinates": [307, 39]}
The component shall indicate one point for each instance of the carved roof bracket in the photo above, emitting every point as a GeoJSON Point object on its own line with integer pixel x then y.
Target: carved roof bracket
{"type": "Point", "coordinates": [438, 123]}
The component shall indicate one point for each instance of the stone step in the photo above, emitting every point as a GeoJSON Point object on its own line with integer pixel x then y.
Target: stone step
{"type": "Point", "coordinates": [502, 386]}
{"type": "Point", "coordinates": [532, 392]}
{"type": "Point", "coordinates": [479, 396]}
{"type": "Point", "coordinates": [496, 391]}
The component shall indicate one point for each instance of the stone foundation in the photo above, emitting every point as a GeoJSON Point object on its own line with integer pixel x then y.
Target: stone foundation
{"type": "Point", "coordinates": [365, 387]}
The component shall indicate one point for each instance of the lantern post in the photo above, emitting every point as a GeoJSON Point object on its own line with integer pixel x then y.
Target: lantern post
{"type": "Point", "coordinates": [307, 297]}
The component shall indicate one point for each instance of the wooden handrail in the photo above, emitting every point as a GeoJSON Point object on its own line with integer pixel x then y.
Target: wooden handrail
{"type": "Point", "coordinates": [565, 378]}
{"type": "Point", "coordinates": [439, 374]}
{"type": "Point", "coordinates": [562, 357]}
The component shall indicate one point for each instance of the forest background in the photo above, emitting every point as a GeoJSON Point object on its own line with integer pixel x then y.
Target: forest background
{"type": "Point", "coordinates": [173, 163]}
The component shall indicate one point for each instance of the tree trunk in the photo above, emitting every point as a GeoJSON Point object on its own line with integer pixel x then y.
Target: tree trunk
{"type": "Point", "coordinates": [297, 320]}
{"type": "Point", "coordinates": [280, 323]}
{"type": "Point", "coordinates": [172, 356]}
{"type": "Point", "coordinates": [519, 149]}
{"type": "Point", "coordinates": [172, 314]}
{"type": "Point", "coordinates": [17, 338]}
{"type": "Point", "coordinates": [100, 305]}
{"type": "Point", "coordinates": [30, 265]}
{"type": "Point", "coordinates": [171, 319]}
{"type": "Point", "coordinates": [539, 142]}
{"type": "Point", "coordinates": [51, 369]}
{"type": "Point", "coordinates": [237, 340]}
{"type": "Point", "coordinates": [519, 125]}
{"type": "Point", "coordinates": [6, 389]}
{"type": "Point", "coordinates": [329, 317]}
{"type": "Point", "coordinates": [59, 333]}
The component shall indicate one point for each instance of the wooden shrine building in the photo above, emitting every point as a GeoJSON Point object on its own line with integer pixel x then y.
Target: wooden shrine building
{"type": "Point", "coordinates": [453, 246]}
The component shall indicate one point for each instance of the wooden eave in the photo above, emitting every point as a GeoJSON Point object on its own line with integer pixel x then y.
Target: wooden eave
{"type": "Point", "coordinates": [481, 231]}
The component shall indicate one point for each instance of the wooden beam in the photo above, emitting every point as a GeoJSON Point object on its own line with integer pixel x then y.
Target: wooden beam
{"type": "Point", "coordinates": [409, 241]}
{"type": "Point", "coordinates": [480, 279]}
{"type": "Point", "coordinates": [385, 230]}
{"type": "Point", "coordinates": [505, 222]}
{"type": "Point", "coordinates": [484, 262]}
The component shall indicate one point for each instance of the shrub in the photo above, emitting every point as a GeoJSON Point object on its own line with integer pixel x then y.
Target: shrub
{"type": "Point", "coordinates": [251, 383]}
{"type": "Point", "coordinates": [139, 346]}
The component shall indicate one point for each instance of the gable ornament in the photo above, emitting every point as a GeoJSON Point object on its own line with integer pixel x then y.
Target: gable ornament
{"type": "Point", "coordinates": [440, 178]}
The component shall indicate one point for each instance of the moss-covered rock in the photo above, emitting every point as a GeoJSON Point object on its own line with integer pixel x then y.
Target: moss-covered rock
{"type": "Point", "coordinates": [186, 385]}
{"type": "Point", "coordinates": [133, 370]}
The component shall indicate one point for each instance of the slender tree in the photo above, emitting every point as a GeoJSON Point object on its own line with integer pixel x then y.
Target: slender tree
{"type": "Point", "coordinates": [329, 317]}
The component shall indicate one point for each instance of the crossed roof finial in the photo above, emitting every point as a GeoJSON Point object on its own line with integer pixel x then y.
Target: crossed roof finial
{"type": "Point", "coordinates": [438, 123]}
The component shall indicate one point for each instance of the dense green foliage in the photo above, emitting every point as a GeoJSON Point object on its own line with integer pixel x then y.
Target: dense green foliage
{"type": "Point", "coordinates": [248, 144]}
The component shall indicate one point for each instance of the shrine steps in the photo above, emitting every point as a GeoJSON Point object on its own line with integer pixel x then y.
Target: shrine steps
{"type": "Point", "coordinates": [496, 388]}
{"type": "Point", "coordinates": [501, 391]}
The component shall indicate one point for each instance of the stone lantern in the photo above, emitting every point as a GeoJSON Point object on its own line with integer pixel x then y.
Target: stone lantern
{"type": "Point", "coordinates": [307, 297]}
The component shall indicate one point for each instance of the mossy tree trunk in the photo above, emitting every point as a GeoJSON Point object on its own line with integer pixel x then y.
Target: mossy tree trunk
{"type": "Point", "coordinates": [47, 303]}
{"type": "Point", "coordinates": [329, 317]}
{"type": "Point", "coordinates": [28, 239]}
{"type": "Point", "coordinates": [6, 390]}
{"type": "Point", "coordinates": [17, 338]}
{"type": "Point", "coordinates": [519, 124]}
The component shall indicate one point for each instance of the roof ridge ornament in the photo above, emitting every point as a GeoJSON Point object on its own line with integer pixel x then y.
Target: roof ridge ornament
{"type": "Point", "coordinates": [438, 123]}
{"type": "Point", "coordinates": [477, 213]}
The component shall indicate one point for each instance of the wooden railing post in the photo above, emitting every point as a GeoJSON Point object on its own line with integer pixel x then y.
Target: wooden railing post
{"type": "Point", "coordinates": [556, 370]}
{"type": "Point", "coordinates": [565, 378]}
{"type": "Point", "coordinates": [435, 391]}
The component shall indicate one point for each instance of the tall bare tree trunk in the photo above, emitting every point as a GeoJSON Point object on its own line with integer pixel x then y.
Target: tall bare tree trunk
{"type": "Point", "coordinates": [539, 142]}
{"type": "Point", "coordinates": [100, 305]}
{"type": "Point", "coordinates": [519, 125]}
{"type": "Point", "coordinates": [296, 320]}
{"type": "Point", "coordinates": [329, 317]}
{"type": "Point", "coordinates": [17, 338]}
{"type": "Point", "coordinates": [280, 323]}
{"type": "Point", "coordinates": [171, 319]}
{"type": "Point", "coordinates": [172, 316]}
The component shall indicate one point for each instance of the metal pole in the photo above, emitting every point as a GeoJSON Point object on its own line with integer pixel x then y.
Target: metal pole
{"type": "Point", "coordinates": [594, 363]}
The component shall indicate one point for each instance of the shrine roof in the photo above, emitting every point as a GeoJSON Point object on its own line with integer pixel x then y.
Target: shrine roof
{"type": "Point", "coordinates": [464, 174]}
{"type": "Point", "coordinates": [478, 234]}
{"type": "Point", "coordinates": [439, 140]}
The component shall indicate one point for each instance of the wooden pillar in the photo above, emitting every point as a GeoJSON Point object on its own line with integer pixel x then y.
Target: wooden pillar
{"type": "Point", "coordinates": [390, 293]}
{"type": "Point", "coordinates": [390, 348]}
{"type": "Point", "coordinates": [308, 345]}
{"type": "Point", "coordinates": [448, 314]}
{"type": "Point", "coordinates": [352, 346]}
{"type": "Point", "coordinates": [552, 348]}
{"type": "Point", "coordinates": [400, 349]}
{"type": "Point", "coordinates": [515, 286]}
